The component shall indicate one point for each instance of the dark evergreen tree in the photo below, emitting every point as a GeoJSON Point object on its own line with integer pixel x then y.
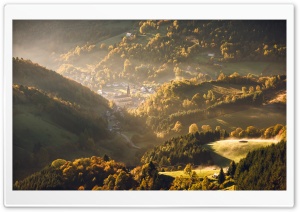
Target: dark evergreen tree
{"type": "Point", "coordinates": [106, 157]}
{"type": "Point", "coordinates": [231, 169]}
{"type": "Point", "coordinates": [221, 177]}
{"type": "Point", "coordinates": [263, 169]}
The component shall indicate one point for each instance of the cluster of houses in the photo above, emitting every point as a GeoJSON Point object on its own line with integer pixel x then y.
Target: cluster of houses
{"type": "Point", "coordinates": [145, 89]}
{"type": "Point", "coordinates": [123, 100]}
{"type": "Point", "coordinates": [135, 88]}
{"type": "Point", "coordinates": [133, 97]}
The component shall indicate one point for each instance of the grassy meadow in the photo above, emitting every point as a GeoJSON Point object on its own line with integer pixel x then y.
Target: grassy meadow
{"type": "Point", "coordinates": [226, 150]}
{"type": "Point", "coordinates": [201, 173]}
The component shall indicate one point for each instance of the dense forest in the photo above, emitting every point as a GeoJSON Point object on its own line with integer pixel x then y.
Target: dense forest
{"type": "Point", "coordinates": [184, 149]}
{"type": "Point", "coordinates": [263, 169]}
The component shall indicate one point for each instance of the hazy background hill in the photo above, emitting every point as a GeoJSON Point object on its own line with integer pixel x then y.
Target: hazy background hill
{"type": "Point", "coordinates": [152, 50]}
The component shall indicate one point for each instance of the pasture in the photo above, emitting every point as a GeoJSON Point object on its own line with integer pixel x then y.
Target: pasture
{"type": "Point", "coordinates": [232, 149]}
{"type": "Point", "coordinates": [201, 172]}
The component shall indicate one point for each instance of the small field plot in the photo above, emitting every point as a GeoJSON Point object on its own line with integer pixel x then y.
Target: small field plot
{"type": "Point", "coordinates": [201, 173]}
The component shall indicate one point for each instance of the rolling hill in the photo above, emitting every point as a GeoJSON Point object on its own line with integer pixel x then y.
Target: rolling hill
{"type": "Point", "coordinates": [231, 101]}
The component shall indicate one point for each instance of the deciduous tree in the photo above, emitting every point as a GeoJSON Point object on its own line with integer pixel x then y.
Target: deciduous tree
{"type": "Point", "coordinates": [193, 128]}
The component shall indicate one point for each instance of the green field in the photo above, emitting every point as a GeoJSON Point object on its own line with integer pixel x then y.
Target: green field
{"type": "Point", "coordinates": [201, 173]}
{"type": "Point", "coordinates": [227, 150]}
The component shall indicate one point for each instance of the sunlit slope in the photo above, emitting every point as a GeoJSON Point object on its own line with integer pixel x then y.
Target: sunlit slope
{"type": "Point", "coordinates": [226, 150]}
{"type": "Point", "coordinates": [200, 173]}
{"type": "Point", "coordinates": [260, 117]}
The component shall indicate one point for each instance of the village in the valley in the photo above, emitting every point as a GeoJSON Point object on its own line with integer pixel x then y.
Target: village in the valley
{"type": "Point", "coordinates": [126, 95]}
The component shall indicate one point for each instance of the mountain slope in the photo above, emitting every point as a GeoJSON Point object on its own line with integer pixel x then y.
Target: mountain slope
{"type": "Point", "coordinates": [45, 128]}
{"type": "Point", "coordinates": [53, 117]}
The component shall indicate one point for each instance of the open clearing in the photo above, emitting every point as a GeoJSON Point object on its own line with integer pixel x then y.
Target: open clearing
{"type": "Point", "coordinates": [201, 173]}
{"type": "Point", "coordinates": [232, 149]}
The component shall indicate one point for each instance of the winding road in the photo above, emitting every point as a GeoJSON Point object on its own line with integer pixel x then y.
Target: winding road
{"type": "Point", "coordinates": [129, 141]}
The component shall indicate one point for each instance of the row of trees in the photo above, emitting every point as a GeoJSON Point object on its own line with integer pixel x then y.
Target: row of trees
{"type": "Point", "coordinates": [278, 131]}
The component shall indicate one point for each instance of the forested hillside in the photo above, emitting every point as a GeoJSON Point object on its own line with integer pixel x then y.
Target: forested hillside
{"type": "Point", "coordinates": [149, 104]}
{"type": "Point", "coordinates": [263, 169]}
{"type": "Point", "coordinates": [183, 102]}
{"type": "Point", "coordinates": [95, 173]}
{"type": "Point", "coordinates": [184, 149]}
{"type": "Point", "coordinates": [154, 50]}
{"type": "Point", "coordinates": [57, 117]}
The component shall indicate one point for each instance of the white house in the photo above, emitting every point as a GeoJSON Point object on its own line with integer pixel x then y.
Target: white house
{"type": "Point", "coordinates": [150, 90]}
{"type": "Point", "coordinates": [215, 175]}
